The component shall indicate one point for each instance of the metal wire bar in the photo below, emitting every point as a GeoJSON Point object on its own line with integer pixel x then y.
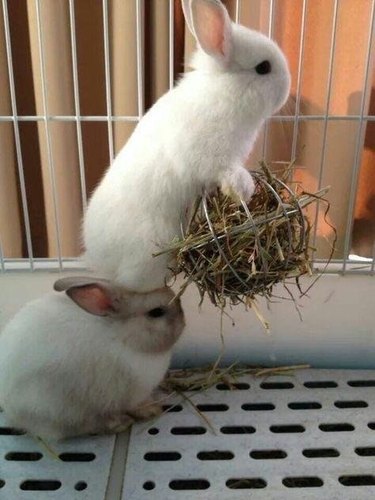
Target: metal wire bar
{"type": "Point", "coordinates": [325, 129]}
{"type": "Point", "coordinates": [103, 118]}
{"type": "Point", "coordinates": [107, 67]}
{"type": "Point", "coordinates": [47, 132]}
{"type": "Point", "coordinates": [270, 31]}
{"type": "Point", "coordinates": [17, 139]}
{"type": "Point", "coordinates": [2, 263]}
{"type": "Point", "coordinates": [238, 11]}
{"type": "Point", "coordinates": [359, 146]}
{"type": "Point", "coordinates": [77, 105]}
{"type": "Point", "coordinates": [140, 56]}
{"type": "Point", "coordinates": [171, 44]}
{"type": "Point", "coordinates": [299, 79]}
{"type": "Point", "coordinates": [67, 118]}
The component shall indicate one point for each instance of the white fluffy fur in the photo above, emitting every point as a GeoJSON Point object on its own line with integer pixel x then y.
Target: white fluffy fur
{"type": "Point", "coordinates": [197, 136]}
{"type": "Point", "coordinates": [65, 372]}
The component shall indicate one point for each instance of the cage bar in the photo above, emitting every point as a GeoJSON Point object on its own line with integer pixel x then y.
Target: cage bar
{"type": "Point", "coordinates": [171, 44]}
{"type": "Point", "coordinates": [103, 118]}
{"type": "Point", "coordinates": [140, 56]}
{"type": "Point", "coordinates": [68, 118]}
{"type": "Point", "coordinates": [325, 127]}
{"type": "Point", "coordinates": [107, 65]}
{"type": "Point", "coordinates": [359, 147]}
{"type": "Point", "coordinates": [17, 139]}
{"type": "Point", "coordinates": [2, 263]}
{"type": "Point", "coordinates": [238, 11]}
{"type": "Point", "coordinates": [299, 79]}
{"type": "Point", "coordinates": [47, 132]}
{"type": "Point", "coordinates": [77, 104]}
{"type": "Point", "coordinates": [270, 31]}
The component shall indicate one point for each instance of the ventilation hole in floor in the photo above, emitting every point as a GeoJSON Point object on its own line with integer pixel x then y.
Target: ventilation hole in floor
{"type": "Point", "coordinates": [336, 427]}
{"type": "Point", "coordinates": [10, 431]}
{"type": "Point", "coordinates": [2, 483]}
{"type": "Point", "coordinates": [351, 404]}
{"type": "Point", "coordinates": [77, 457]}
{"type": "Point", "coordinates": [308, 405]}
{"type": "Point", "coordinates": [320, 452]}
{"type": "Point", "coordinates": [361, 383]}
{"type": "Point", "coordinates": [213, 407]}
{"type": "Point", "coordinates": [240, 386]}
{"type": "Point", "coordinates": [24, 456]}
{"type": "Point", "coordinates": [321, 384]}
{"type": "Point", "coordinates": [277, 385]}
{"type": "Point", "coordinates": [237, 429]}
{"type": "Point", "coordinates": [302, 482]}
{"type": "Point", "coordinates": [371, 426]}
{"type": "Point", "coordinates": [258, 406]}
{"type": "Point", "coordinates": [80, 486]}
{"type": "Point", "coordinates": [287, 428]}
{"type": "Point", "coordinates": [268, 454]}
{"type": "Point", "coordinates": [189, 484]}
{"type": "Point", "coordinates": [366, 451]}
{"type": "Point", "coordinates": [246, 483]}
{"type": "Point", "coordinates": [162, 456]}
{"type": "Point", "coordinates": [40, 485]}
{"type": "Point", "coordinates": [187, 431]}
{"type": "Point", "coordinates": [153, 431]}
{"type": "Point", "coordinates": [215, 455]}
{"type": "Point", "coordinates": [172, 408]}
{"type": "Point", "coordinates": [148, 485]}
{"type": "Point", "coordinates": [357, 480]}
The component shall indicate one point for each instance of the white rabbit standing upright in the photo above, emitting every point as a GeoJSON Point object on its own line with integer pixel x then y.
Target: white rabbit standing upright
{"type": "Point", "coordinates": [197, 136]}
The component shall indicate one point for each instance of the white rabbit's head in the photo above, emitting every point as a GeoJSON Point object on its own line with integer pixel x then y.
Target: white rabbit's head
{"type": "Point", "coordinates": [254, 66]}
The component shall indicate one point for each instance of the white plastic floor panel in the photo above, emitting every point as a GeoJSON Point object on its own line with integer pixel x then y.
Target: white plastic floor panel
{"type": "Point", "coordinates": [28, 471]}
{"type": "Point", "coordinates": [308, 436]}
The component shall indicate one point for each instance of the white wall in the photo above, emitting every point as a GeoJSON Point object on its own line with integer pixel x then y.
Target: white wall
{"type": "Point", "coordinates": [338, 328]}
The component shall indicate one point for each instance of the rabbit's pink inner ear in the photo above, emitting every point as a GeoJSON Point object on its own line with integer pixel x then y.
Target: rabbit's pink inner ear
{"type": "Point", "coordinates": [92, 298]}
{"type": "Point", "coordinates": [212, 27]}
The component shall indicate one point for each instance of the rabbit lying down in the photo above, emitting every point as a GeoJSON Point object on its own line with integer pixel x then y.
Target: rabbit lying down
{"type": "Point", "coordinates": [64, 372]}
{"type": "Point", "coordinates": [197, 136]}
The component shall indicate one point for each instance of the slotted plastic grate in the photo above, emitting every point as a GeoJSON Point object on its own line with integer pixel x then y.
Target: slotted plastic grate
{"type": "Point", "coordinates": [308, 436]}
{"type": "Point", "coordinates": [28, 471]}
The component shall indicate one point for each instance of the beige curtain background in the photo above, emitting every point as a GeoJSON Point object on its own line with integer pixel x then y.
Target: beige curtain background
{"type": "Point", "coordinates": [55, 204]}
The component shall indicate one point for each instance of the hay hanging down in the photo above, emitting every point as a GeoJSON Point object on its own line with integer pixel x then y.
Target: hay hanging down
{"type": "Point", "coordinates": [236, 251]}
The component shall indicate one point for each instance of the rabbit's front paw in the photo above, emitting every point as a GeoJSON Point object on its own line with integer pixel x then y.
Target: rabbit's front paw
{"type": "Point", "coordinates": [148, 409]}
{"type": "Point", "coordinates": [119, 423]}
{"type": "Point", "coordinates": [238, 184]}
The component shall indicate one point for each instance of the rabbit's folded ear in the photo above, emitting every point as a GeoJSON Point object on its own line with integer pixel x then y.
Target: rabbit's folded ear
{"type": "Point", "coordinates": [209, 22]}
{"type": "Point", "coordinates": [93, 295]}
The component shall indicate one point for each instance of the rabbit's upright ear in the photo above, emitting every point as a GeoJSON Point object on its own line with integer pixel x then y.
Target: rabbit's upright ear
{"type": "Point", "coordinates": [209, 22]}
{"type": "Point", "coordinates": [93, 295]}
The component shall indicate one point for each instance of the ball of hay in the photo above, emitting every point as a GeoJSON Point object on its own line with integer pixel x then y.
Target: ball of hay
{"type": "Point", "coordinates": [234, 251]}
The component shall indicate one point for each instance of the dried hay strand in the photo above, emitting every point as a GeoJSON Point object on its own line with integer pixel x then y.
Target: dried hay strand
{"type": "Point", "coordinates": [235, 251]}
{"type": "Point", "coordinates": [184, 385]}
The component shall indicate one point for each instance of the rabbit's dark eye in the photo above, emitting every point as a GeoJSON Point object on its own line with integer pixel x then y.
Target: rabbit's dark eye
{"type": "Point", "coordinates": [158, 312]}
{"type": "Point", "coordinates": [263, 68]}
